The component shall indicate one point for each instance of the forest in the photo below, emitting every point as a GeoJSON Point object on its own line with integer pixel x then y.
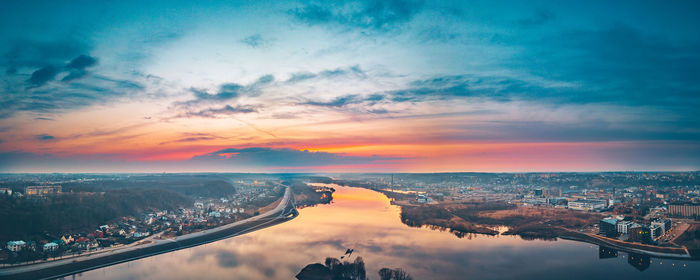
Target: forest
{"type": "Point", "coordinates": [80, 211]}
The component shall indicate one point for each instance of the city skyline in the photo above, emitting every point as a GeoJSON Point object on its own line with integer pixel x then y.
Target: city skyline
{"type": "Point", "coordinates": [369, 86]}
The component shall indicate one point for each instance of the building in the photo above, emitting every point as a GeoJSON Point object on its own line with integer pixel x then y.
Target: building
{"type": "Point", "coordinates": [423, 199]}
{"type": "Point", "coordinates": [50, 247]}
{"type": "Point", "coordinates": [557, 201]}
{"type": "Point", "coordinates": [5, 191]}
{"type": "Point", "coordinates": [587, 205]}
{"type": "Point", "coordinates": [664, 224]}
{"type": "Point", "coordinates": [639, 233]}
{"type": "Point", "coordinates": [684, 210]}
{"type": "Point", "coordinates": [655, 231]}
{"type": "Point", "coordinates": [16, 246]}
{"type": "Point", "coordinates": [623, 226]}
{"type": "Point", "coordinates": [539, 192]}
{"type": "Point", "coordinates": [608, 227]}
{"type": "Point", "coordinates": [554, 192]}
{"type": "Point", "coordinates": [67, 240]}
{"type": "Point", "coordinates": [34, 191]}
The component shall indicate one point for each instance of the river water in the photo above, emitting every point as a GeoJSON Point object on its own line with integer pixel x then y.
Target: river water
{"type": "Point", "coordinates": [365, 221]}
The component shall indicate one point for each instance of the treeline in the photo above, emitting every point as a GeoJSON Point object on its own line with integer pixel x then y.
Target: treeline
{"type": "Point", "coordinates": [74, 212]}
{"type": "Point", "coordinates": [199, 185]}
{"type": "Point", "coordinates": [418, 216]}
{"type": "Point", "coordinates": [335, 269]}
{"type": "Point", "coordinates": [306, 195]}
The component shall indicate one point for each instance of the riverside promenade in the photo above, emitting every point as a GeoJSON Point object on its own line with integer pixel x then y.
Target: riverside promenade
{"type": "Point", "coordinates": [285, 210]}
{"type": "Point", "coordinates": [649, 250]}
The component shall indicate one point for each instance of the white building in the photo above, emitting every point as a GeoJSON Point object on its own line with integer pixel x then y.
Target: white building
{"type": "Point", "coordinates": [623, 226]}
{"type": "Point", "coordinates": [656, 231]}
{"type": "Point", "coordinates": [587, 205]}
{"type": "Point", "coordinates": [50, 247]}
{"type": "Point", "coordinates": [16, 246]}
{"type": "Point", "coordinates": [665, 225]}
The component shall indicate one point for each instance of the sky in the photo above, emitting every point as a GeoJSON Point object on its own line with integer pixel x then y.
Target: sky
{"type": "Point", "coordinates": [349, 86]}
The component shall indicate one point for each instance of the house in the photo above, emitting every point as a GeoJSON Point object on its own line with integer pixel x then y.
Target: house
{"type": "Point", "coordinates": [68, 240]}
{"type": "Point", "coordinates": [32, 191]}
{"type": "Point", "coordinates": [86, 244]}
{"type": "Point", "coordinates": [50, 247]}
{"type": "Point", "coordinates": [16, 246]}
{"type": "Point", "coordinates": [82, 239]}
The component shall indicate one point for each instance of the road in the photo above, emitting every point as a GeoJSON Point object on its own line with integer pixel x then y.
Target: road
{"type": "Point", "coordinates": [284, 211]}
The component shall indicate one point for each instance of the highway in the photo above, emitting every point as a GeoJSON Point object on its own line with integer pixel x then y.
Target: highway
{"type": "Point", "coordinates": [285, 210]}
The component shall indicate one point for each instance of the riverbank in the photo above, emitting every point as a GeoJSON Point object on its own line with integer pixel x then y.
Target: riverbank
{"type": "Point", "coordinates": [284, 211]}
{"type": "Point", "coordinates": [650, 250]}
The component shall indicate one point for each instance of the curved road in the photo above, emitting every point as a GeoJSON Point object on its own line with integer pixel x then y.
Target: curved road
{"type": "Point", "coordinates": [284, 211]}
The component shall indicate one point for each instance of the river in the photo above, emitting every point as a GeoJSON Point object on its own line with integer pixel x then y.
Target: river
{"type": "Point", "coordinates": [365, 221]}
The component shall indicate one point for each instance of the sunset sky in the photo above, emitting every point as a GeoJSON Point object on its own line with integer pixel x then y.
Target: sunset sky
{"type": "Point", "coordinates": [369, 86]}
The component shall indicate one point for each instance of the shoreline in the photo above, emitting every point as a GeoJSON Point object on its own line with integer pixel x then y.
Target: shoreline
{"type": "Point", "coordinates": [621, 246]}
{"type": "Point", "coordinates": [284, 211]}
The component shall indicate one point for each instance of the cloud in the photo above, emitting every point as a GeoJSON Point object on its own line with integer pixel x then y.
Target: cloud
{"type": "Point", "coordinates": [74, 75]}
{"type": "Point", "coordinates": [44, 137]}
{"type": "Point", "coordinates": [618, 64]}
{"type": "Point", "coordinates": [226, 110]}
{"type": "Point", "coordinates": [58, 97]}
{"type": "Point", "coordinates": [301, 76]}
{"type": "Point", "coordinates": [374, 15]}
{"type": "Point", "coordinates": [281, 157]}
{"type": "Point", "coordinates": [255, 41]}
{"type": "Point", "coordinates": [78, 66]}
{"type": "Point", "coordinates": [35, 54]}
{"type": "Point", "coordinates": [344, 100]}
{"type": "Point", "coordinates": [351, 71]}
{"type": "Point", "coordinates": [81, 62]}
{"type": "Point", "coordinates": [194, 137]}
{"type": "Point", "coordinates": [227, 91]}
{"type": "Point", "coordinates": [47, 61]}
{"type": "Point", "coordinates": [437, 34]}
{"type": "Point", "coordinates": [337, 102]}
{"type": "Point", "coordinates": [541, 17]}
{"type": "Point", "coordinates": [43, 75]}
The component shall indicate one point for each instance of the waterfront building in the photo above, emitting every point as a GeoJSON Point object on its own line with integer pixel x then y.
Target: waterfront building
{"type": "Point", "coordinates": [623, 226]}
{"type": "Point", "coordinates": [33, 191]}
{"type": "Point", "coordinates": [684, 210]}
{"type": "Point", "coordinates": [16, 246]}
{"type": "Point", "coordinates": [655, 231]}
{"type": "Point", "coordinates": [639, 233]}
{"type": "Point", "coordinates": [608, 227]}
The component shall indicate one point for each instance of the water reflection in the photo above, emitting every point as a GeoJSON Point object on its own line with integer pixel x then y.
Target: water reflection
{"type": "Point", "coordinates": [366, 221]}
{"type": "Point", "coordinates": [606, 253]}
